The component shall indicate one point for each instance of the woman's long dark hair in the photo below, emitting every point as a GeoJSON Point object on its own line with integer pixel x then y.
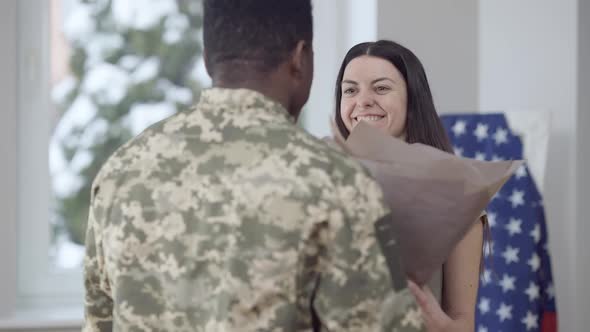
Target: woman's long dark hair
{"type": "Point", "coordinates": [422, 122]}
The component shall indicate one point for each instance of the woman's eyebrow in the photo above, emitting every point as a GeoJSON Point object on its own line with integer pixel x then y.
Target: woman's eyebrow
{"type": "Point", "coordinates": [382, 79]}
{"type": "Point", "coordinates": [372, 82]}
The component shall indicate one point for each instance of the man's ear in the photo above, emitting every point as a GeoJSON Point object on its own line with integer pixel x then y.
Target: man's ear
{"type": "Point", "coordinates": [298, 58]}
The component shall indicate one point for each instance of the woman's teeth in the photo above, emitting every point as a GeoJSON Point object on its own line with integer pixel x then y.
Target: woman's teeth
{"type": "Point", "coordinates": [369, 118]}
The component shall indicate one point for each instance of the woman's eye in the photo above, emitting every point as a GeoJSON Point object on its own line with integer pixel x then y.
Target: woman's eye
{"type": "Point", "coordinates": [348, 91]}
{"type": "Point", "coordinates": [382, 88]}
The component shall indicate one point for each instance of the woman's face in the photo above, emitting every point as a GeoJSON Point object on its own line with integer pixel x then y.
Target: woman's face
{"type": "Point", "coordinates": [374, 91]}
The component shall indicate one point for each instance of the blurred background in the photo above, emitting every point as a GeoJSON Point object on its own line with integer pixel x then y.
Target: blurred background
{"type": "Point", "coordinates": [81, 77]}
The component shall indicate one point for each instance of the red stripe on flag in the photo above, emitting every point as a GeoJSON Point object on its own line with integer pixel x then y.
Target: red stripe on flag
{"type": "Point", "coordinates": [549, 322]}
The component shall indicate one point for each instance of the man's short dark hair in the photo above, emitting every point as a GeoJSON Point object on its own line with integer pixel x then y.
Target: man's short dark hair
{"type": "Point", "coordinates": [258, 33]}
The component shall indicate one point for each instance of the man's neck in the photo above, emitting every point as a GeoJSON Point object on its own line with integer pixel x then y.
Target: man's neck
{"type": "Point", "coordinates": [270, 88]}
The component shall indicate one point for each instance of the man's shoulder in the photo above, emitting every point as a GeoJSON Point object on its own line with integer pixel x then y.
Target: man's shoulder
{"type": "Point", "coordinates": [343, 171]}
{"type": "Point", "coordinates": [126, 158]}
{"type": "Point", "coordinates": [335, 159]}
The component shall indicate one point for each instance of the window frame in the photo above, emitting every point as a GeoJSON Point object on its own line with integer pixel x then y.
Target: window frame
{"type": "Point", "coordinates": [8, 278]}
{"type": "Point", "coordinates": [34, 294]}
{"type": "Point", "coordinates": [37, 279]}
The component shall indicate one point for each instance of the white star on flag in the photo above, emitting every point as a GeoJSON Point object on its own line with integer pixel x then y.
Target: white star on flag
{"type": "Point", "coordinates": [459, 128]}
{"type": "Point", "coordinates": [507, 283]}
{"type": "Point", "coordinates": [513, 226]}
{"type": "Point", "coordinates": [520, 172]}
{"type": "Point", "coordinates": [530, 321]}
{"type": "Point", "coordinates": [492, 219]}
{"type": "Point", "coordinates": [550, 291]}
{"type": "Point", "coordinates": [517, 198]}
{"type": "Point", "coordinates": [532, 291]}
{"type": "Point", "coordinates": [501, 136]}
{"type": "Point", "coordinates": [482, 329]}
{"type": "Point", "coordinates": [536, 233]}
{"type": "Point", "coordinates": [484, 305]}
{"type": "Point", "coordinates": [458, 151]}
{"type": "Point", "coordinates": [504, 312]}
{"type": "Point", "coordinates": [534, 262]}
{"type": "Point", "coordinates": [510, 255]}
{"type": "Point", "coordinates": [498, 195]}
{"type": "Point", "coordinates": [497, 158]}
{"type": "Point", "coordinates": [480, 156]}
{"type": "Point", "coordinates": [486, 277]}
{"type": "Point", "coordinates": [481, 132]}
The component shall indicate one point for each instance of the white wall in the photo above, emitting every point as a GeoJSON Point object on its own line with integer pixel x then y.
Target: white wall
{"type": "Point", "coordinates": [443, 34]}
{"type": "Point", "coordinates": [528, 60]}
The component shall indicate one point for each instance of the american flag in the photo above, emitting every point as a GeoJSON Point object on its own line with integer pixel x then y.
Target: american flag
{"type": "Point", "coordinates": [516, 289]}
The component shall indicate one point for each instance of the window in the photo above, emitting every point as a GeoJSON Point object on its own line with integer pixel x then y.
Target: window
{"type": "Point", "coordinates": [91, 75]}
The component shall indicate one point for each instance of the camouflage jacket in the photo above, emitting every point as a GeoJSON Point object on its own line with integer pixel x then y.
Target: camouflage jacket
{"type": "Point", "coordinates": [231, 218]}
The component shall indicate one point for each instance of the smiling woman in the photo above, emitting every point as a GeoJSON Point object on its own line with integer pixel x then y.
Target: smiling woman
{"type": "Point", "coordinates": [384, 84]}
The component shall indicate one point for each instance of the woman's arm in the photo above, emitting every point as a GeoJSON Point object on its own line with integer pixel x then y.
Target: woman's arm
{"type": "Point", "coordinates": [460, 284]}
{"type": "Point", "coordinates": [461, 279]}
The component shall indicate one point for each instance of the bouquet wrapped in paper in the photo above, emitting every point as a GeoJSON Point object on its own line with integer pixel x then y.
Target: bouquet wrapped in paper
{"type": "Point", "coordinates": [435, 197]}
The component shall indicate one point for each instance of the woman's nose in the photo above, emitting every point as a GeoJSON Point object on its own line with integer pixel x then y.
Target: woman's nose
{"type": "Point", "coordinates": [365, 100]}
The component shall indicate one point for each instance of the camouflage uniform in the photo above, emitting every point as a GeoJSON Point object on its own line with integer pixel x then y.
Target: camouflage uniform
{"type": "Point", "coordinates": [231, 218]}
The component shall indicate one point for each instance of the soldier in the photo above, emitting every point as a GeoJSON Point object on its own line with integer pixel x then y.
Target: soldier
{"type": "Point", "coordinates": [229, 217]}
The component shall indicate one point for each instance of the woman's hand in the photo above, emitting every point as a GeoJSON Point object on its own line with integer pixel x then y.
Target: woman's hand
{"type": "Point", "coordinates": [435, 319]}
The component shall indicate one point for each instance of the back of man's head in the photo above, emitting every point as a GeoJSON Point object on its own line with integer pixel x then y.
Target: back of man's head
{"type": "Point", "coordinates": [255, 34]}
